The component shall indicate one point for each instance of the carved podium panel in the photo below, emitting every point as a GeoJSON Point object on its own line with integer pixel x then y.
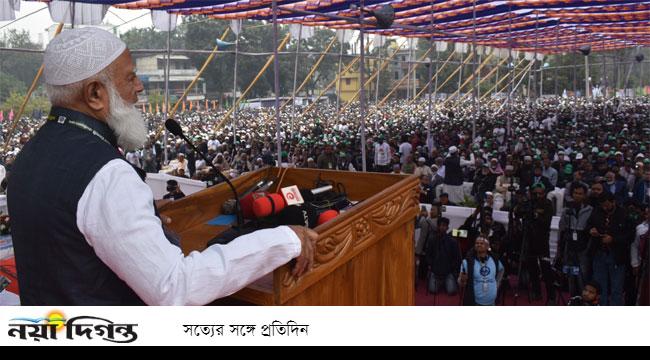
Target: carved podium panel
{"type": "Point", "coordinates": [364, 256]}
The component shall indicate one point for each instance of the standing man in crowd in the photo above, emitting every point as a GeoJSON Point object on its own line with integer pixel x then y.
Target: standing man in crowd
{"type": "Point", "coordinates": [639, 259]}
{"type": "Point", "coordinates": [539, 229]}
{"type": "Point", "coordinates": [443, 255]}
{"type": "Point", "coordinates": [573, 240]}
{"type": "Point", "coordinates": [609, 249]}
{"type": "Point", "coordinates": [382, 155]}
{"type": "Point", "coordinates": [453, 183]}
{"type": "Point", "coordinates": [642, 189]}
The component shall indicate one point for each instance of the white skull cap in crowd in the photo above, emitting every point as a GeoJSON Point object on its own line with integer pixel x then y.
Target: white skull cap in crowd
{"type": "Point", "coordinates": [78, 54]}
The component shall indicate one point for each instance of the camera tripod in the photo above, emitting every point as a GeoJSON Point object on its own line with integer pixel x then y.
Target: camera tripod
{"type": "Point", "coordinates": [512, 226]}
{"type": "Point", "coordinates": [523, 253]}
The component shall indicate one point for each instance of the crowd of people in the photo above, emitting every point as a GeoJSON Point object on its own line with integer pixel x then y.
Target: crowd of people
{"type": "Point", "coordinates": [522, 150]}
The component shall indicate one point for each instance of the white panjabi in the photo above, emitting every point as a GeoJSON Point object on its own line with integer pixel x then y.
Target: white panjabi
{"type": "Point", "coordinates": [78, 54]}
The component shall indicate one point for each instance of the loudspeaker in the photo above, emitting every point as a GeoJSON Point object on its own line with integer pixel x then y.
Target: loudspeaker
{"type": "Point", "coordinates": [585, 50]}
{"type": "Point", "coordinates": [384, 15]}
{"type": "Point", "coordinates": [639, 58]}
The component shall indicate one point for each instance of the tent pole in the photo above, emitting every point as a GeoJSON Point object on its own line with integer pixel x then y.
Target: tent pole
{"type": "Point", "coordinates": [169, 40]}
{"type": "Point", "coordinates": [276, 80]}
{"type": "Point", "coordinates": [362, 94]}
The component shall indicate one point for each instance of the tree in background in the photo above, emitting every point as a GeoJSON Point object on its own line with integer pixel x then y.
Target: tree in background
{"type": "Point", "coordinates": [17, 70]}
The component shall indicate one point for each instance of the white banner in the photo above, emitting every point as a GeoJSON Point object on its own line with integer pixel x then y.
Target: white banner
{"type": "Point", "coordinates": [441, 46]}
{"type": "Point", "coordinates": [235, 26]}
{"type": "Point", "coordinates": [378, 40]}
{"type": "Point", "coordinates": [344, 36]}
{"type": "Point", "coordinates": [163, 21]}
{"type": "Point", "coordinates": [84, 14]}
{"type": "Point", "coordinates": [412, 43]}
{"type": "Point", "coordinates": [305, 325]}
{"type": "Point", "coordinates": [297, 29]}
{"type": "Point", "coordinates": [502, 53]}
{"type": "Point", "coordinates": [461, 47]}
{"type": "Point", "coordinates": [8, 9]}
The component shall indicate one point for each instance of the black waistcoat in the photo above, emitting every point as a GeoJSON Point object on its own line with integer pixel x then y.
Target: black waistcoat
{"type": "Point", "coordinates": [55, 264]}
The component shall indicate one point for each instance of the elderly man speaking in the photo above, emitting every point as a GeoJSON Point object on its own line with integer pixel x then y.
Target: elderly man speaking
{"type": "Point", "coordinates": [84, 225]}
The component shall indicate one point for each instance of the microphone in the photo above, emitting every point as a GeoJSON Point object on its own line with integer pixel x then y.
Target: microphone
{"type": "Point", "coordinates": [321, 189]}
{"type": "Point", "coordinates": [268, 205]}
{"type": "Point", "coordinates": [326, 216]}
{"type": "Point", "coordinates": [295, 215]}
{"type": "Point", "coordinates": [249, 196]}
{"type": "Point", "coordinates": [175, 128]}
{"type": "Point", "coordinates": [247, 204]}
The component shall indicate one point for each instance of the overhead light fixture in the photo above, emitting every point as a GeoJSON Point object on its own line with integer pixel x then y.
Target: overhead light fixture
{"type": "Point", "coordinates": [639, 57]}
{"type": "Point", "coordinates": [385, 15]}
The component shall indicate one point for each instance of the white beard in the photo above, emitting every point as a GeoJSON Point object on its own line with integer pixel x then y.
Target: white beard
{"type": "Point", "coordinates": [125, 121]}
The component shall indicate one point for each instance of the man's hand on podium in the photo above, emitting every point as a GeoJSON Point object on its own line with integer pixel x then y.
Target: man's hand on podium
{"type": "Point", "coordinates": [305, 260]}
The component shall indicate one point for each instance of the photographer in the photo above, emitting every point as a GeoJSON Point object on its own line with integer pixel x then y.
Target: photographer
{"type": "Point", "coordinates": [428, 227]}
{"type": "Point", "coordinates": [443, 255]}
{"type": "Point", "coordinates": [609, 249]}
{"type": "Point", "coordinates": [577, 181]}
{"type": "Point", "coordinates": [173, 191]}
{"type": "Point", "coordinates": [537, 228]}
{"type": "Point", "coordinates": [590, 295]}
{"type": "Point", "coordinates": [484, 181]}
{"type": "Point", "coordinates": [572, 258]}
{"type": "Point", "coordinates": [495, 232]}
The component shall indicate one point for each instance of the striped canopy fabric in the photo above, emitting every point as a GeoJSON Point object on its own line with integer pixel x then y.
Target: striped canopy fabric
{"type": "Point", "coordinates": [545, 26]}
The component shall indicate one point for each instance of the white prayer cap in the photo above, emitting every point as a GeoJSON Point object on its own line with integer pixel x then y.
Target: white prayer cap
{"type": "Point", "coordinates": [78, 54]}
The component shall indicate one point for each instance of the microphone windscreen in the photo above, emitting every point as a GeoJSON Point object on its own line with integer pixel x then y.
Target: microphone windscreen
{"type": "Point", "coordinates": [326, 216]}
{"type": "Point", "coordinates": [174, 127]}
{"type": "Point", "coordinates": [269, 205]}
{"type": "Point", "coordinates": [246, 203]}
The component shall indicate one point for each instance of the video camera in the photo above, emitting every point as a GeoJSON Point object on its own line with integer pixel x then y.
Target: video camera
{"type": "Point", "coordinates": [459, 233]}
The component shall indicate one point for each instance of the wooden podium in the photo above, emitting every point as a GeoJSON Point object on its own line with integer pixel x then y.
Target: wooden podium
{"type": "Point", "coordinates": [364, 256]}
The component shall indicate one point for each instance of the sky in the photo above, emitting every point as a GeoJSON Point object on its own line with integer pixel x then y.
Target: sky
{"type": "Point", "coordinates": [38, 22]}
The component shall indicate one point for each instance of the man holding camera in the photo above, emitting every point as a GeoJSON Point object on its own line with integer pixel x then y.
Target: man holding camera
{"type": "Point", "coordinates": [173, 191]}
{"type": "Point", "coordinates": [538, 232]}
{"type": "Point", "coordinates": [495, 232]}
{"type": "Point", "coordinates": [443, 255]}
{"type": "Point", "coordinates": [573, 241]}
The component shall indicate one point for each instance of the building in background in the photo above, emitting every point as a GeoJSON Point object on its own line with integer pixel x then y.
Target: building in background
{"type": "Point", "coordinates": [151, 71]}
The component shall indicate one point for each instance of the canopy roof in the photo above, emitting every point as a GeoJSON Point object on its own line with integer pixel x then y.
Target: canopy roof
{"type": "Point", "coordinates": [544, 26]}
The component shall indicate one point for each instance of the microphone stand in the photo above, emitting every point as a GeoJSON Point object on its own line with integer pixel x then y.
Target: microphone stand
{"type": "Point", "coordinates": [174, 130]}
